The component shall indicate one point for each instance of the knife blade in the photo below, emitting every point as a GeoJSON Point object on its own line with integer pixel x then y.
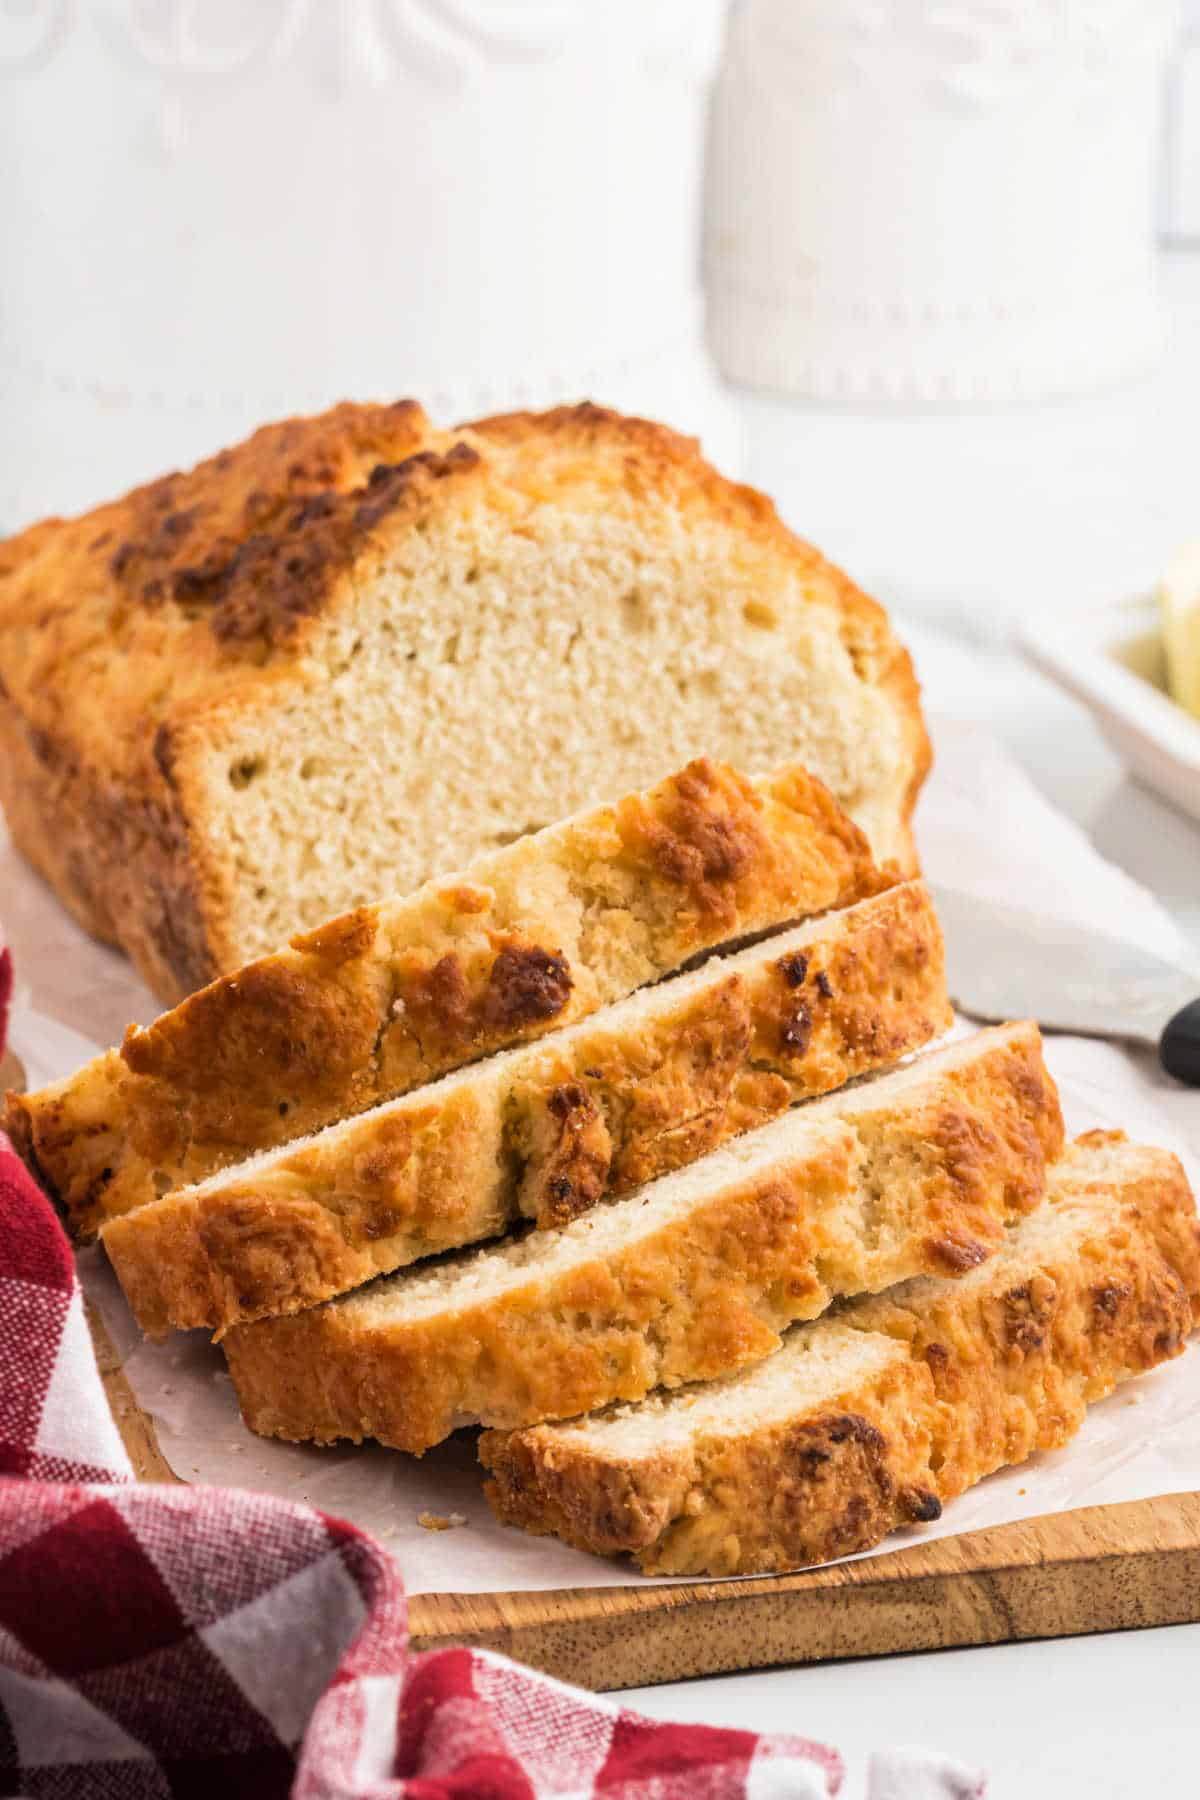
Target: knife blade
{"type": "Point", "coordinates": [1004, 962]}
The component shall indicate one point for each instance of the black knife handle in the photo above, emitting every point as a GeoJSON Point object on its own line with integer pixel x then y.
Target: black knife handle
{"type": "Point", "coordinates": [1179, 1045]}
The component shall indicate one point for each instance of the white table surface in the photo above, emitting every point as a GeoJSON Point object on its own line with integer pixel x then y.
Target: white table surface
{"type": "Point", "coordinates": [973, 520]}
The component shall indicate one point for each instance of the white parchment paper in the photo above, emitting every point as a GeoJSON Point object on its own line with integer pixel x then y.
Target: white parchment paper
{"type": "Point", "coordinates": [984, 828]}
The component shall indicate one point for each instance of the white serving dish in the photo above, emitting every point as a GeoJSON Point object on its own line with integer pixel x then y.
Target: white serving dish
{"type": "Point", "coordinates": [1113, 660]}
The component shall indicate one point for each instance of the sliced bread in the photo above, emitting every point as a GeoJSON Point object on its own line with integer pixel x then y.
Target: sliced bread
{"type": "Point", "coordinates": [371, 1005]}
{"type": "Point", "coordinates": [694, 1275]}
{"type": "Point", "coordinates": [876, 1414]}
{"type": "Point", "coordinates": [545, 1131]}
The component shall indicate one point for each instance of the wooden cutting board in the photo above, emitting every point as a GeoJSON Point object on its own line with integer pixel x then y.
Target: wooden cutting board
{"type": "Point", "coordinates": [1104, 1568]}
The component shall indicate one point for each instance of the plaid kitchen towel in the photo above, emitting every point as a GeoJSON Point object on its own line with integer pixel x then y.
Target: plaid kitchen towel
{"type": "Point", "coordinates": [162, 1643]}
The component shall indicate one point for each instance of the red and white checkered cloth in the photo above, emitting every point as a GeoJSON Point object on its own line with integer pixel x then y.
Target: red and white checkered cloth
{"type": "Point", "coordinates": [162, 1642]}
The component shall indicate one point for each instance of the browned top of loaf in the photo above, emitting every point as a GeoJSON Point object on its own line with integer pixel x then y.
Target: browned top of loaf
{"type": "Point", "coordinates": [161, 605]}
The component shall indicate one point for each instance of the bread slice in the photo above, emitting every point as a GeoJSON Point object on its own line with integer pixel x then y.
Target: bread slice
{"type": "Point", "coordinates": [373, 1004]}
{"type": "Point", "coordinates": [696, 1274]}
{"type": "Point", "coordinates": [889, 1406]}
{"type": "Point", "coordinates": [356, 650]}
{"type": "Point", "coordinates": [545, 1131]}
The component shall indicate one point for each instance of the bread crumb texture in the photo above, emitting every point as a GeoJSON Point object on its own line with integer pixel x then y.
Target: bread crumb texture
{"type": "Point", "coordinates": [431, 1521]}
{"type": "Point", "coordinates": [356, 649]}
{"type": "Point", "coordinates": [890, 1406]}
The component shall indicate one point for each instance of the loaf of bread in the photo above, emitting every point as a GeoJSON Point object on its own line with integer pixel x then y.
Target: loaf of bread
{"type": "Point", "coordinates": [355, 650]}
{"type": "Point", "coordinates": [880, 1412]}
{"type": "Point", "coordinates": [379, 1001]}
{"type": "Point", "coordinates": [691, 1276]}
{"type": "Point", "coordinates": [544, 1131]}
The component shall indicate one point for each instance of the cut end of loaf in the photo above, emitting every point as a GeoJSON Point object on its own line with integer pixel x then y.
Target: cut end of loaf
{"type": "Point", "coordinates": [534, 656]}
{"type": "Point", "coordinates": [544, 576]}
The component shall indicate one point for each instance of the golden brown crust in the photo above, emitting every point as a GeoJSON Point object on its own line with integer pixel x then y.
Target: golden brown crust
{"type": "Point", "coordinates": [826, 1485]}
{"type": "Point", "coordinates": [127, 636]}
{"type": "Point", "coordinates": [1014, 1366]}
{"type": "Point", "coordinates": [611, 1328]}
{"type": "Point", "coordinates": [551, 1128]}
{"type": "Point", "coordinates": [388, 997]}
{"type": "Point", "coordinates": [862, 1202]}
{"type": "Point", "coordinates": [111, 854]}
{"type": "Point", "coordinates": [991, 1369]}
{"type": "Point", "coordinates": [194, 546]}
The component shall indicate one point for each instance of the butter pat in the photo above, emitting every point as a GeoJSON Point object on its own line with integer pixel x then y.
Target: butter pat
{"type": "Point", "coordinates": [1179, 597]}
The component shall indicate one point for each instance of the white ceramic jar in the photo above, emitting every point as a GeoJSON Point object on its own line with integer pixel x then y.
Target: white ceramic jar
{"type": "Point", "coordinates": [935, 202]}
{"type": "Point", "coordinates": [219, 211]}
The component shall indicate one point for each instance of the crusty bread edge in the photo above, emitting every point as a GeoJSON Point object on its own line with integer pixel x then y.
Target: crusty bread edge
{"type": "Point", "coordinates": [245, 1251]}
